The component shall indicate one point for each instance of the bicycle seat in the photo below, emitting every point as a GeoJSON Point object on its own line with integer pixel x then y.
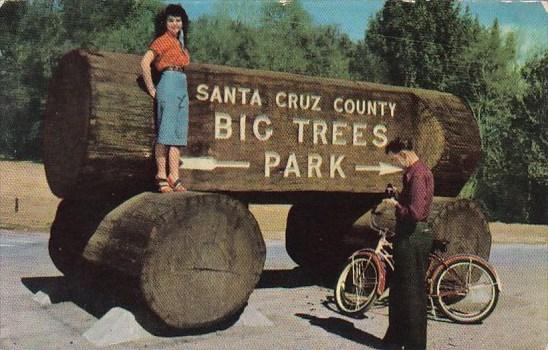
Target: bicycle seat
{"type": "Point", "coordinates": [440, 244]}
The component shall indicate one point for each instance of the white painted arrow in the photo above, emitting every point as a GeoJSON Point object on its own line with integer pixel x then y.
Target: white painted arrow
{"type": "Point", "coordinates": [210, 163]}
{"type": "Point", "coordinates": [382, 168]}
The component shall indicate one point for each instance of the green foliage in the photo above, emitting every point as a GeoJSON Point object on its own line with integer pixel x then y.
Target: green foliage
{"type": "Point", "coordinates": [289, 42]}
{"type": "Point", "coordinates": [366, 65]}
{"type": "Point", "coordinates": [493, 84]}
{"type": "Point", "coordinates": [84, 19]}
{"type": "Point", "coordinates": [132, 31]}
{"type": "Point", "coordinates": [437, 45]}
{"type": "Point", "coordinates": [419, 41]}
{"type": "Point", "coordinates": [533, 108]}
{"type": "Point", "coordinates": [219, 40]}
{"type": "Point", "coordinates": [281, 38]}
{"type": "Point", "coordinates": [528, 147]}
{"type": "Point", "coordinates": [34, 35]}
{"type": "Point", "coordinates": [28, 49]}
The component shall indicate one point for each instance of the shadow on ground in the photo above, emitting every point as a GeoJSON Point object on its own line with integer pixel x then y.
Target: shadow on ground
{"type": "Point", "coordinates": [295, 278]}
{"type": "Point", "coordinates": [345, 329]}
{"type": "Point", "coordinates": [100, 295]}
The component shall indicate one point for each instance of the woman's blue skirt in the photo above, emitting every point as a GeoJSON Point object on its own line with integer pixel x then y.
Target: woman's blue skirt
{"type": "Point", "coordinates": [172, 104]}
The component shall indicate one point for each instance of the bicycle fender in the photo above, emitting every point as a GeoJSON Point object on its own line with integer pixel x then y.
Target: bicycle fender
{"type": "Point", "coordinates": [381, 266]}
{"type": "Point", "coordinates": [457, 257]}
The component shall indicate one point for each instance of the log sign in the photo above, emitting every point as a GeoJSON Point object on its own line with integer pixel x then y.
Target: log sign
{"type": "Point", "coordinates": [251, 132]}
{"type": "Point", "coordinates": [307, 130]}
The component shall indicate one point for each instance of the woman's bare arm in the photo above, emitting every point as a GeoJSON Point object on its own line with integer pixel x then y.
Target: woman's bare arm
{"type": "Point", "coordinates": [147, 75]}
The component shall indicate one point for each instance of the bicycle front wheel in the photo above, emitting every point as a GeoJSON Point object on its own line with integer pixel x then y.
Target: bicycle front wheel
{"type": "Point", "coordinates": [356, 288]}
{"type": "Point", "coordinates": [466, 290]}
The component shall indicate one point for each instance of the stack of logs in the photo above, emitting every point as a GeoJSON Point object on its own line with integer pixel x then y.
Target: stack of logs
{"type": "Point", "coordinates": [198, 255]}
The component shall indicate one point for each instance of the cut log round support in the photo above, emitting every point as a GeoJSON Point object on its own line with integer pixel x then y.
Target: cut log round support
{"type": "Point", "coordinates": [459, 221]}
{"type": "Point", "coordinates": [74, 224]}
{"type": "Point", "coordinates": [250, 132]}
{"type": "Point", "coordinates": [197, 256]}
{"type": "Point", "coordinates": [463, 224]}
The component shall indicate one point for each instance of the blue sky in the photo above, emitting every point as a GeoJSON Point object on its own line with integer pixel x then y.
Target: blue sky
{"type": "Point", "coordinates": [529, 20]}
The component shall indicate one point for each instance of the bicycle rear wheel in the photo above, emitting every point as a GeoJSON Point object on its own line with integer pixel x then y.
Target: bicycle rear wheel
{"type": "Point", "coordinates": [356, 288]}
{"type": "Point", "coordinates": [466, 290]}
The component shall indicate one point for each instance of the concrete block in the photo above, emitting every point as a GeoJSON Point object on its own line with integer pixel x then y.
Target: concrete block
{"type": "Point", "coordinates": [42, 298]}
{"type": "Point", "coordinates": [251, 317]}
{"type": "Point", "coordinates": [115, 327]}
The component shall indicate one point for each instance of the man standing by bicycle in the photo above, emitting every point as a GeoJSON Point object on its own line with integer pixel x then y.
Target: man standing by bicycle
{"type": "Point", "coordinates": [408, 299]}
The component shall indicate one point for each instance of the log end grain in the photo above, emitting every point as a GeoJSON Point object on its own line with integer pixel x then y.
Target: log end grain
{"type": "Point", "coordinates": [203, 262]}
{"type": "Point", "coordinates": [464, 225]}
{"type": "Point", "coordinates": [196, 256]}
{"type": "Point", "coordinates": [459, 221]}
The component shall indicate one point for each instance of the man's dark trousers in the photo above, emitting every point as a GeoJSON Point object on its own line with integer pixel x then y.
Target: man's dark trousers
{"type": "Point", "coordinates": [408, 300]}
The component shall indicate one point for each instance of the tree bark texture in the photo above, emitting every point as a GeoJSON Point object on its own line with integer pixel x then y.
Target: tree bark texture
{"type": "Point", "coordinates": [196, 256]}
{"type": "Point", "coordinates": [74, 224]}
{"type": "Point", "coordinates": [99, 131]}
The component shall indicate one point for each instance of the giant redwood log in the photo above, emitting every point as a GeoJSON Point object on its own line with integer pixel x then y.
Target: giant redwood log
{"type": "Point", "coordinates": [196, 256]}
{"type": "Point", "coordinates": [269, 136]}
{"type": "Point", "coordinates": [459, 221]}
{"type": "Point", "coordinates": [327, 233]}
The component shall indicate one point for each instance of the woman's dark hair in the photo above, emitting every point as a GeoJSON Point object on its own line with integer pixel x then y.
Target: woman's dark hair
{"type": "Point", "coordinates": [397, 145]}
{"type": "Point", "coordinates": [175, 11]}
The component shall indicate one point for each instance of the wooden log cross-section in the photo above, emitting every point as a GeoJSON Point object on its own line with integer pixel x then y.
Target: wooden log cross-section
{"type": "Point", "coordinates": [458, 221]}
{"type": "Point", "coordinates": [196, 256]}
{"type": "Point", "coordinates": [327, 233]}
{"type": "Point", "coordinates": [266, 135]}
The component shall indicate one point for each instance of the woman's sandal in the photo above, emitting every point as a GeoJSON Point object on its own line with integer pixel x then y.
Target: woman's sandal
{"type": "Point", "coordinates": [176, 185]}
{"type": "Point", "coordinates": [163, 185]}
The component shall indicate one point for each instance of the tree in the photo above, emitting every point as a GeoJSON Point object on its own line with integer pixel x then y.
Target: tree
{"type": "Point", "coordinates": [281, 38]}
{"type": "Point", "coordinates": [366, 65]}
{"type": "Point", "coordinates": [84, 19]}
{"type": "Point", "coordinates": [528, 125]}
{"type": "Point", "coordinates": [218, 39]}
{"type": "Point", "coordinates": [131, 32]}
{"type": "Point", "coordinates": [35, 34]}
{"type": "Point", "coordinates": [30, 48]}
{"type": "Point", "coordinates": [493, 82]}
{"type": "Point", "coordinates": [420, 42]}
{"type": "Point", "coordinates": [436, 45]}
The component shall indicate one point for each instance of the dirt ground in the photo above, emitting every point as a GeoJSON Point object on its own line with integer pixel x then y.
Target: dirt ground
{"type": "Point", "coordinates": [27, 204]}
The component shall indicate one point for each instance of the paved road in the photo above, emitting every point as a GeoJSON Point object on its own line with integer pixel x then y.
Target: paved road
{"type": "Point", "coordinates": [288, 310]}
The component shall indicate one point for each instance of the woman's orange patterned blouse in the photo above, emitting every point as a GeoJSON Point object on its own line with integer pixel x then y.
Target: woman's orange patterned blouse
{"type": "Point", "coordinates": [168, 52]}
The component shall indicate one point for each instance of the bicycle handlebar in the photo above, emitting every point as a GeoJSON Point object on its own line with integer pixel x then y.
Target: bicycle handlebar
{"type": "Point", "coordinates": [383, 231]}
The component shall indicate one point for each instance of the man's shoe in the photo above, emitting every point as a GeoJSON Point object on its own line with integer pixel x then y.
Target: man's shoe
{"type": "Point", "coordinates": [388, 344]}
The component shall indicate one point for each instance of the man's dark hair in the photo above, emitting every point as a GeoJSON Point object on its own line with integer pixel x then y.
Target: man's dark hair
{"type": "Point", "coordinates": [397, 145]}
{"type": "Point", "coordinates": [175, 11]}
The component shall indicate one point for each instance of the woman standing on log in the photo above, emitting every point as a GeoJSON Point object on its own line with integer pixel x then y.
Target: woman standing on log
{"type": "Point", "coordinates": [169, 54]}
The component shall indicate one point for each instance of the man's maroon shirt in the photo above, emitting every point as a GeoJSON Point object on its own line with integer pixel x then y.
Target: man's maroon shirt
{"type": "Point", "coordinates": [417, 193]}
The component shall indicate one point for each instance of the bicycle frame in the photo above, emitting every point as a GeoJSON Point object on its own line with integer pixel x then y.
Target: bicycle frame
{"type": "Point", "coordinates": [444, 263]}
{"type": "Point", "coordinates": [382, 257]}
{"type": "Point", "coordinates": [456, 285]}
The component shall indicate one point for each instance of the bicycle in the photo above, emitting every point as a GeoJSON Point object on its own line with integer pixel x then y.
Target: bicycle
{"type": "Point", "coordinates": [464, 287]}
